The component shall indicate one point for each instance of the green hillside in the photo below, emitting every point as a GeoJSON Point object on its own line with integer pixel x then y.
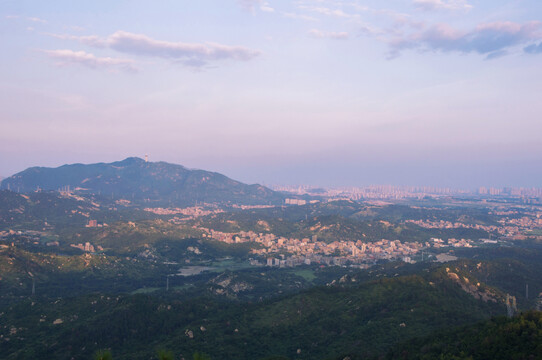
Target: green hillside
{"type": "Point", "coordinates": [50, 210]}
{"type": "Point", "coordinates": [327, 226]}
{"type": "Point", "coordinates": [149, 183]}
{"type": "Point", "coordinates": [324, 322]}
{"type": "Point", "coordinates": [498, 339]}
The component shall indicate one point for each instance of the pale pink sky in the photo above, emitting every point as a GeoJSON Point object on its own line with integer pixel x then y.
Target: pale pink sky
{"type": "Point", "coordinates": [327, 92]}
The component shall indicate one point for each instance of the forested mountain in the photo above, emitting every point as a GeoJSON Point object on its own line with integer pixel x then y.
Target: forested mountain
{"type": "Point", "coordinates": [350, 317]}
{"type": "Point", "coordinates": [332, 279]}
{"type": "Point", "coordinates": [135, 180]}
{"type": "Point", "coordinates": [47, 210]}
{"type": "Point", "coordinates": [497, 339]}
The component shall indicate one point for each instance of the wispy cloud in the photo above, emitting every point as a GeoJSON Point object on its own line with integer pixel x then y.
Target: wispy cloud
{"type": "Point", "coordinates": [90, 40]}
{"type": "Point", "coordinates": [533, 49]}
{"type": "Point", "coordinates": [299, 16]}
{"type": "Point", "coordinates": [315, 33]}
{"type": "Point", "coordinates": [143, 45]}
{"type": "Point", "coordinates": [252, 5]}
{"type": "Point", "coordinates": [265, 7]}
{"type": "Point", "coordinates": [65, 57]}
{"type": "Point", "coordinates": [490, 39]}
{"type": "Point", "coordinates": [32, 19]}
{"type": "Point", "coordinates": [75, 28]}
{"type": "Point", "coordinates": [37, 20]}
{"type": "Point", "coordinates": [329, 12]}
{"type": "Point", "coordinates": [192, 54]}
{"type": "Point", "coordinates": [442, 4]}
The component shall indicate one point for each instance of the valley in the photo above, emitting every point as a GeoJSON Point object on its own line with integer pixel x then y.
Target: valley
{"type": "Point", "coordinates": [333, 278]}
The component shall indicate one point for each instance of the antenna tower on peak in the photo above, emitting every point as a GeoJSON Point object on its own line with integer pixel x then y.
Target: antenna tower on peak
{"type": "Point", "coordinates": [146, 158]}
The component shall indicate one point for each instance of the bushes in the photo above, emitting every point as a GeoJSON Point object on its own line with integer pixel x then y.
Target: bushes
{"type": "Point", "coordinates": [162, 355]}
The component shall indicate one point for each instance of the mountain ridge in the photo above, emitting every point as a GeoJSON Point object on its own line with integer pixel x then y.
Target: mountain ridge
{"type": "Point", "coordinates": [139, 181]}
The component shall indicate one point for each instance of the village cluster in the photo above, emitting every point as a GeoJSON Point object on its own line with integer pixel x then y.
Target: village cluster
{"type": "Point", "coordinates": [288, 252]}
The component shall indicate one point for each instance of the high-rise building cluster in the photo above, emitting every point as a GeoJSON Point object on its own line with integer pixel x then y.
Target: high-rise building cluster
{"type": "Point", "coordinates": [391, 192]}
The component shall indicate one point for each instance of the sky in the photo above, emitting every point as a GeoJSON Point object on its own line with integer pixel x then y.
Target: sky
{"type": "Point", "coordinates": [316, 92]}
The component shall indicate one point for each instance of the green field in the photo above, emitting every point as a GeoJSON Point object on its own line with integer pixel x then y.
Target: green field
{"type": "Point", "coordinates": [305, 273]}
{"type": "Point", "coordinates": [145, 290]}
{"type": "Point", "coordinates": [229, 264]}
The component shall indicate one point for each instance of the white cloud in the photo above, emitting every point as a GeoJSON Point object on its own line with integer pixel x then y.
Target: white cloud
{"type": "Point", "coordinates": [265, 7]}
{"type": "Point", "coordinates": [76, 28]}
{"type": "Point", "coordinates": [329, 12]}
{"type": "Point", "coordinates": [534, 49]}
{"type": "Point", "coordinates": [90, 40]}
{"type": "Point", "coordinates": [491, 39]}
{"type": "Point", "coordinates": [315, 33]}
{"type": "Point", "coordinates": [65, 57]}
{"type": "Point", "coordinates": [299, 16]}
{"type": "Point", "coordinates": [442, 4]}
{"type": "Point", "coordinates": [192, 54]}
{"type": "Point", "coordinates": [252, 5]}
{"type": "Point", "coordinates": [185, 52]}
{"type": "Point", "coordinates": [37, 20]}
{"type": "Point", "coordinates": [32, 19]}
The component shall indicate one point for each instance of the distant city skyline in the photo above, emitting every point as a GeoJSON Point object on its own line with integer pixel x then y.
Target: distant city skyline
{"type": "Point", "coordinates": [331, 185]}
{"type": "Point", "coordinates": [319, 92]}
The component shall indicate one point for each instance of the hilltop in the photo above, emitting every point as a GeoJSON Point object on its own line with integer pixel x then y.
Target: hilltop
{"type": "Point", "coordinates": [138, 181]}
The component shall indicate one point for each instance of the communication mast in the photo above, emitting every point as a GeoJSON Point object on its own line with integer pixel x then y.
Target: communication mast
{"type": "Point", "coordinates": [146, 158]}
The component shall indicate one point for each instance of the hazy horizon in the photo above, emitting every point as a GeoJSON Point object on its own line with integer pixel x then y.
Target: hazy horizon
{"type": "Point", "coordinates": [318, 92]}
{"type": "Point", "coordinates": [380, 179]}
